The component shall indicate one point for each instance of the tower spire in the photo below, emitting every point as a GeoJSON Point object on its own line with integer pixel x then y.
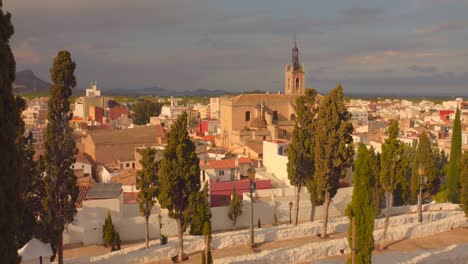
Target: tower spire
{"type": "Point", "coordinates": [295, 56]}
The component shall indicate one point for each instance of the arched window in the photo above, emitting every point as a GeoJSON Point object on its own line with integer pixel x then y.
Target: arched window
{"type": "Point", "coordinates": [297, 84]}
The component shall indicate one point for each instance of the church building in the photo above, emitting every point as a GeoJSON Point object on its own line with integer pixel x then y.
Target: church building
{"type": "Point", "coordinates": [252, 118]}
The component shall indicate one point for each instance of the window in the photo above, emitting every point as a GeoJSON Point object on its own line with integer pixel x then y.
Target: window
{"type": "Point", "coordinates": [247, 116]}
{"type": "Point", "coordinates": [127, 165]}
{"type": "Point", "coordinates": [285, 133]}
{"type": "Point", "coordinates": [221, 173]}
{"type": "Point", "coordinates": [297, 84]}
{"type": "Point", "coordinates": [275, 116]}
{"type": "Point", "coordinates": [280, 151]}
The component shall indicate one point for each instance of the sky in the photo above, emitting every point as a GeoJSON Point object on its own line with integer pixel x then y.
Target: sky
{"type": "Point", "coordinates": [378, 46]}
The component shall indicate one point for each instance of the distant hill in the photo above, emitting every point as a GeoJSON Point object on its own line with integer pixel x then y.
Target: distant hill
{"type": "Point", "coordinates": [27, 82]}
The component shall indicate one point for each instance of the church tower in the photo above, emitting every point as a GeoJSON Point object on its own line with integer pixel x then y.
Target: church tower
{"type": "Point", "coordinates": [294, 74]}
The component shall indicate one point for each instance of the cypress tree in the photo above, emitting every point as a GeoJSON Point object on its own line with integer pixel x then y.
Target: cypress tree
{"type": "Point", "coordinates": [333, 148]}
{"type": "Point", "coordinates": [464, 183]}
{"type": "Point", "coordinates": [108, 231]}
{"type": "Point", "coordinates": [361, 209]}
{"type": "Point", "coordinates": [235, 208]}
{"type": "Point", "coordinates": [300, 151]}
{"type": "Point", "coordinates": [392, 166]}
{"type": "Point", "coordinates": [377, 190]}
{"type": "Point", "coordinates": [179, 176]}
{"type": "Point", "coordinates": [453, 174]}
{"type": "Point", "coordinates": [147, 186]}
{"type": "Point", "coordinates": [206, 213]}
{"type": "Point", "coordinates": [60, 182]}
{"type": "Point", "coordinates": [199, 211]}
{"type": "Point", "coordinates": [10, 163]}
{"type": "Point", "coordinates": [425, 157]}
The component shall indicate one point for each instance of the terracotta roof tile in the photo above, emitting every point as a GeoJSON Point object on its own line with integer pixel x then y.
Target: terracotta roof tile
{"type": "Point", "coordinates": [84, 189]}
{"type": "Point", "coordinates": [226, 164]}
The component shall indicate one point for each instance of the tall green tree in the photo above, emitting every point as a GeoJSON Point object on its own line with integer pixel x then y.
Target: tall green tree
{"type": "Point", "coordinates": [143, 110]}
{"type": "Point", "coordinates": [179, 176]}
{"type": "Point", "coordinates": [205, 211]}
{"type": "Point", "coordinates": [10, 163]}
{"type": "Point", "coordinates": [361, 209]}
{"type": "Point", "coordinates": [147, 186]}
{"type": "Point", "coordinates": [199, 211]}
{"type": "Point", "coordinates": [300, 151]}
{"type": "Point", "coordinates": [453, 173]}
{"type": "Point", "coordinates": [424, 157]}
{"type": "Point", "coordinates": [235, 208]}
{"type": "Point", "coordinates": [333, 148]}
{"type": "Point", "coordinates": [464, 183]}
{"type": "Point", "coordinates": [60, 181]}
{"type": "Point", "coordinates": [377, 190]}
{"type": "Point", "coordinates": [393, 169]}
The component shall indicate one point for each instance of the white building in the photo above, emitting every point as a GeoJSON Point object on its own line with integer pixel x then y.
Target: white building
{"type": "Point", "coordinates": [275, 160]}
{"type": "Point", "coordinates": [92, 91]}
{"type": "Point", "coordinates": [214, 107]}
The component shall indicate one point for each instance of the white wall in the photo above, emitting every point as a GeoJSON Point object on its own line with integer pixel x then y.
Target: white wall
{"type": "Point", "coordinates": [274, 163]}
{"type": "Point", "coordinates": [82, 166]}
{"type": "Point", "coordinates": [127, 220]}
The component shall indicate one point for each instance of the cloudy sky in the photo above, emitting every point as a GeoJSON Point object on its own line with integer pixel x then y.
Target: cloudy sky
{"type": "Point", "coordinates": [400, 46]}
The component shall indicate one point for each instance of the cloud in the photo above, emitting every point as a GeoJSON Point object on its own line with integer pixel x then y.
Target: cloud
{"type": "Point", "coordinates": [438, 28]}
{"type": "Point", "coordinates": [423, 69]}
{"type": "Point", "coordinates": [26, 53]}
{"type": "Point", "coordinates": [363, 12]}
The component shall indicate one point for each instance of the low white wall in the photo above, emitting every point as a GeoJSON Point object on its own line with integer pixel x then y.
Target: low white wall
{"type": "Point", "coordinates": [402, 226]}
{"type": "Point", "coordinates": [128, 221]}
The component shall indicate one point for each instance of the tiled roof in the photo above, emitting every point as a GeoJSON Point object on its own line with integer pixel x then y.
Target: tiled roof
{"type": "Point", "coordinates": [84, 189]}
{"type": "Point", "coordinates": [127, 177]}
{"type": "Point", "coordinates": [138, 135]}
{"type": "Point", "coordinates": [104, 191]}
{"type": "Point", "coordinates": [226, 164]}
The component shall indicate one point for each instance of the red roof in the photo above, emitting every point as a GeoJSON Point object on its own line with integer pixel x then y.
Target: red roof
{"type": "Point", "coordinates": [225, 164]}
{"type": "Point", "coordinates": [220, 192]}
{"type": "Point", "coordinates": [446, 112]}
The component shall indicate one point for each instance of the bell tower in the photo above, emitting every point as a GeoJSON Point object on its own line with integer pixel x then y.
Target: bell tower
{"type": "Point", "coordinates": [294, 74]}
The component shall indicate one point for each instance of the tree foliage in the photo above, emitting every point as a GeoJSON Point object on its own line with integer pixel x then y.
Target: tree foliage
{"type": "Point", "coordinates": [179, 175]}
{"type": "Point", "coordinates": [361, 208]}
{"type": "Point", "coordinates": [110, 236]}
{"type": "Point", "coordinates": [377, 190]}
{"type": "Point", "coordinates": [147, 185]}
{"type": "Point", "coordinates": [453, 173]}
{"type": "Point", "coordinates": [393, 164]}
{"type": "Point", "coordinates": [333, 150]}
{"type": "Point", "coordinates": [464, 183]}
{"type": "Point", "coordinates": [199, 211]}
{"type": "Point", "coordinates": [425, 156]}
{"type": "Point", "coordinates": [143, 110]}
{"type": "Point", "coordinates": [301, 149]}
{"type": "Point", "coordinates": [60, 182]}
{"type": "Point", "coordinates": [10, 163]}
{"type": "Point", "coordinates": [235, 208]}
{"type": "Point", "coordinates": [205, 211]}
